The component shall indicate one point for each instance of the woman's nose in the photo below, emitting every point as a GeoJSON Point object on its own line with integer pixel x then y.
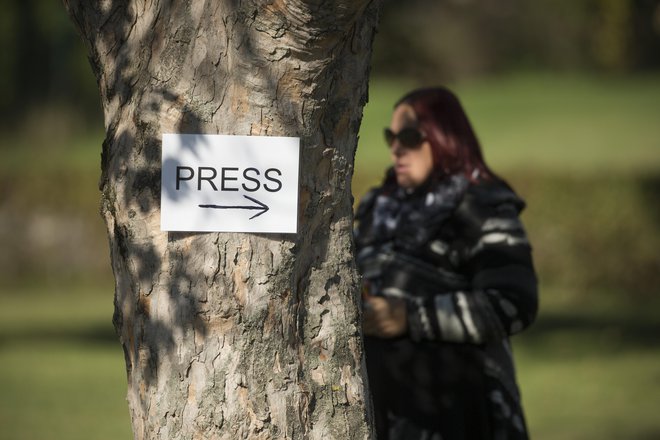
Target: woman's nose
{"type": "Point", "coordinates": [397, 149]}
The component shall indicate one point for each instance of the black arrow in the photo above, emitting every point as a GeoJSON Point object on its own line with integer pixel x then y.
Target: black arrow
{"type": "Point", "coordinates": [262, 207]}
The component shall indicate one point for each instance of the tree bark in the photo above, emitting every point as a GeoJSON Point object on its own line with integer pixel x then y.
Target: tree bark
{"type": "Point", "coordinates": [231, 336]}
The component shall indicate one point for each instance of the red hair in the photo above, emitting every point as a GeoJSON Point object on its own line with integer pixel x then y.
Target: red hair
{"type": "Point", "coordinates": [454, 144]}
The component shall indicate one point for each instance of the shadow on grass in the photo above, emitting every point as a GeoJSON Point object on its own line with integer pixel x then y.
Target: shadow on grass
{"type": "Point", "coordinates": [94, 334]}
{"type": "Point", "coordinates": [653, 434]}
{"type": "Point", "coordinates": [625, 332]}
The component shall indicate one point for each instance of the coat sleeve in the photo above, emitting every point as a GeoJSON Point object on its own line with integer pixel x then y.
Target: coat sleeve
{"type": "Point", "coordinates": [496, 258]}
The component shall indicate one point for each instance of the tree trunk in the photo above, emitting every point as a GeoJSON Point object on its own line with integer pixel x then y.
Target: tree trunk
{"type": "Point", "coordinates": [231, 336]}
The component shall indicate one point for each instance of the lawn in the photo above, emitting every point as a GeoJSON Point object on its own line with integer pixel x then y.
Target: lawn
{"type": "Point", "coordinates": [587, 370]}
{"type": "Point", "coordinates": [62, 371]}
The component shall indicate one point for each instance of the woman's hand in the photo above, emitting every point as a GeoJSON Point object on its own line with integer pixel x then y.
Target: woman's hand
{"type": "Point", "coordinates": [384, 317]}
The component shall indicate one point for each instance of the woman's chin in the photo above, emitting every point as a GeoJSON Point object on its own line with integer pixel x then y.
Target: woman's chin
{"type": "Point", "coordinates": [405, 183]}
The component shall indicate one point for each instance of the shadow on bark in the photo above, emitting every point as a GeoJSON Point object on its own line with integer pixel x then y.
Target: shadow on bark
{"type": "Point", "coordinates": [131, 168]}
{"type": "Point", "coordinates": [131, 164]}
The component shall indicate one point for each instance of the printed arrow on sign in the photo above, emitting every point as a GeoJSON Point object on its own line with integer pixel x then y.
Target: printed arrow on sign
{"type": "Point", "coordinates": [262, 207]}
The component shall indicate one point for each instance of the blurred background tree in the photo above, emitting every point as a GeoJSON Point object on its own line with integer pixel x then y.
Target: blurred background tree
{"type": "Point", "coordinates": [445, 40]}
{"type": "Point", "coordinates": [44, 63]}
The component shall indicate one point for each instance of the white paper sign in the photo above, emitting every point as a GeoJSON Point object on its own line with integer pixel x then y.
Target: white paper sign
{"type": "Point", "coordinates": [229, 183]}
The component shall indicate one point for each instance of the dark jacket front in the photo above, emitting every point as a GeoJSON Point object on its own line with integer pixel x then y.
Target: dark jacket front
{"type": "Point", "coordinates": [457, 252]}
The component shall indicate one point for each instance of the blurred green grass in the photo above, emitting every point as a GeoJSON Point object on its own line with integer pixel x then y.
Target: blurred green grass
{"type": "Point", "coordinates": [62, 371]}
{"type": "Point", "coordinates": [588, 368]}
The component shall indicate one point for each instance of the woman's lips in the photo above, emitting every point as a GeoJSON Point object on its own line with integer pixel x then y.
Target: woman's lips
{"type": "Point", "coordinates": [400, 167]}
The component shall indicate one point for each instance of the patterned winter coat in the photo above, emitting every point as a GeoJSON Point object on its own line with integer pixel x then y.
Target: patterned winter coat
{"type": "Point", "coordinates": [458, 253]}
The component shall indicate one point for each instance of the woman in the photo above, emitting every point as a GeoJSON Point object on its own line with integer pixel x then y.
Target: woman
{"type": "Point", "coordinates": [448, 276]}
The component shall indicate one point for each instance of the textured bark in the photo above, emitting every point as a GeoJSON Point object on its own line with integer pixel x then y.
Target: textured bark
{"type": "Point", "coordinates": [234, 335]}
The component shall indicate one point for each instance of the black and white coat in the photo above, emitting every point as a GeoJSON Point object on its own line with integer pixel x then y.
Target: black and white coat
{"type": "Point", "coordinates": [457, 252]}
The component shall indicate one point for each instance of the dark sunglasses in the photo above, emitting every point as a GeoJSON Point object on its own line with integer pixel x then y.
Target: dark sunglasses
{"type": "Point", "coordinates": [409, 137]}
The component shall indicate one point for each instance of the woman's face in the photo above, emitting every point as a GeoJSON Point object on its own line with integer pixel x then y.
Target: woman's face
{"type": "Point", "coordinates": [413, 164]}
